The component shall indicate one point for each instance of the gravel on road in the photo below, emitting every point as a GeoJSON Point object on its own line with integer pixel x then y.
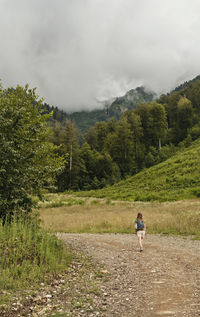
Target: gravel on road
{"type": "Point", "coordinates": [163, 280]}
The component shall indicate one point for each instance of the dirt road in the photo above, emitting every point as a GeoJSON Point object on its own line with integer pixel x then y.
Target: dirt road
{"type": "Point", "coordinates": [163, 280]}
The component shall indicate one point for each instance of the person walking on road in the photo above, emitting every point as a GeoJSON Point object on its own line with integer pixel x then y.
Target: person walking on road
{"type": "Point", "coordinates": [140, 230]}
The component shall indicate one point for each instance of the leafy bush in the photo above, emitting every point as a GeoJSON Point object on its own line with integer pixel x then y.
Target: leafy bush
{"type": "Point", "coordinates": [28, 161]}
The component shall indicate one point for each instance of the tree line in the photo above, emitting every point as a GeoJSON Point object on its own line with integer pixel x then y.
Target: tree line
{"type": "Point", "coordinates": [38, 153]}
{"type": "Point", "coordinates": [113, 150]}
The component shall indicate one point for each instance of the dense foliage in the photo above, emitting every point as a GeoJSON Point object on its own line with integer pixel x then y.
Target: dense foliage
{"type": "Point", "coordinates": [28, 160]}
{"type": "Point", "coordinates": [112, 150]}
{"type": "Point", "coordinates": [175, 179]}
{"type": "Point", "coordinates": [143, 137]}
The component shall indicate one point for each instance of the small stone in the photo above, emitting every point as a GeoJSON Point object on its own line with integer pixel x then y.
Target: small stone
{"type": "Point", "coordinates": [48, 296]}
{"type": "Point", "coordinates": [104, 272]}
{"type": "Point", "coordinates": [37, 299]}
{"type": "Point", "coordinates": [157, 282]}
{"type": "Point", "coordinates": [165, 312]}
{"type": "Point", "coordinates": [14, 309]}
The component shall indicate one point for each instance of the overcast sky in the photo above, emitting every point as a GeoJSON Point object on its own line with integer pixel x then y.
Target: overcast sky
{"type": "Point", "coordinates": [79, 51]}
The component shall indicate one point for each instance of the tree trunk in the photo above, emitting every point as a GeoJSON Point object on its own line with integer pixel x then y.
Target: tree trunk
{"type": "Point", "coordinates": [159, 143]}
{"type": "Point", "coordinates": [70, 166]}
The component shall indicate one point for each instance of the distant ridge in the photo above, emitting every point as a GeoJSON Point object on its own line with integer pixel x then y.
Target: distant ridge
{"type": "Point", "coordinates": [86, 119]}
{"type": "Point", "coordinates": [130, 101]}
{"type": "Point", "coordinates": [186, 84]}
{"type": "Point", "coordinates": [114, 108]}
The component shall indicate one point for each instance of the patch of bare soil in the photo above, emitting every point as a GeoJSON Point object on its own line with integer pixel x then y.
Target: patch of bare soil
{"type": "Point", "coordinates": [163, 280]}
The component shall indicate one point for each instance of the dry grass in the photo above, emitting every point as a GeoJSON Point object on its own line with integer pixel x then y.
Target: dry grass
{"type": "Point", "coordinates": [98, 215]}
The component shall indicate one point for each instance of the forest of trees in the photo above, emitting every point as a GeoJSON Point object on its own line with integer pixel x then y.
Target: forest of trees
{"type": "Point", "coordinates": [34, 156]}
{"type": "Point", "coordinates": [112, 150]}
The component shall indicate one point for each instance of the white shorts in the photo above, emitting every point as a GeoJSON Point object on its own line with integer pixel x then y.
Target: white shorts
{"type": "Point", "coordinates": [141, 234]}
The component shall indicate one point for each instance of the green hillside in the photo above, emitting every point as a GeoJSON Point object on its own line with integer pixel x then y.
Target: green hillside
{"type": "Point", "coordinates": [175, 179]}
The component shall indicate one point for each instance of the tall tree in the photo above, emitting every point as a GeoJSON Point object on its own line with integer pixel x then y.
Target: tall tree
{"type": "Point", "coordinates": [154, 123]}
{"type": "Point", "coordinates": [67, 137]}
{"type": "Point", "coordinates": [135, 123]}
{"type": "Point", "coordinates": [120, 146]}
{"type": "Point", "coordinates": [97, 134]}
{"type": "Point", "coordinates": [158, 123]}
{"type": "Point", "coordinates": [185, 117]}
{"type": "Point", "coordinates": [28, 161]}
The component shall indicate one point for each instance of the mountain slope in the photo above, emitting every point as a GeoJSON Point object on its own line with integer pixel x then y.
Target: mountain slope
{"type": "Point", "coordinates": [86, 119]}
{"type": "Point", "coordinates": [175, 179]}
{"type": "Point", "coordinates": [186, 84]}
{"type": "Point", "coordinates": [129, 101]}
{"type": "Point", "coordinates": [115, 108]}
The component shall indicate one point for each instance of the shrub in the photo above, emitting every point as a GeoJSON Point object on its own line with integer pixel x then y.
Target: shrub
{"type": "Point", "coordinates": [28, 161]}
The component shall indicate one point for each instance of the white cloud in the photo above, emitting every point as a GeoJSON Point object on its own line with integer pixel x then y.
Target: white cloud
{"type": "Point", "coordinates": [76, 52]}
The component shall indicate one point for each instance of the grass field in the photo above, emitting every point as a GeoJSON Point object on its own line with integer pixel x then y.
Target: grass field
{"type": "Point", "coordinates": [100, 215]}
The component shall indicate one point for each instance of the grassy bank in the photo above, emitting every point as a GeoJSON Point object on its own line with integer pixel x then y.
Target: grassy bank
{"type": "Point", "coordinates": [175, 179]}
{"type": "Point", "coordinates": [100, 215]}
{"type": "Point", "coordinates": [29, 255]}
{"type": "Point", "coordinates": [39, 277]}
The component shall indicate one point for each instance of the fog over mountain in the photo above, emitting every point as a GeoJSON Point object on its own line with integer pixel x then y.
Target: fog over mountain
{"type": "Point", "coordinates": [77, 52]}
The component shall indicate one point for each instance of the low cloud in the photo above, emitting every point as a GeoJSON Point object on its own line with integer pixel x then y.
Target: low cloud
{"type": "Point", "coordinates": [78, 52]}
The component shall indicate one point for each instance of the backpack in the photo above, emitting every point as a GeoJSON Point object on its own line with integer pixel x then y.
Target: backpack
{"type": "Point", "coordinates": [140, 224]}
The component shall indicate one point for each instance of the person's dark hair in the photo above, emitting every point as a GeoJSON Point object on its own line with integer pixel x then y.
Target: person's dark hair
{"type": "Point", "coordinates": [139, 216]}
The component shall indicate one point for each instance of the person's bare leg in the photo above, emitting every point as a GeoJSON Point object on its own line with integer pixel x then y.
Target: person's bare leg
{"type": "Point", "coordinates": [140, 243]}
